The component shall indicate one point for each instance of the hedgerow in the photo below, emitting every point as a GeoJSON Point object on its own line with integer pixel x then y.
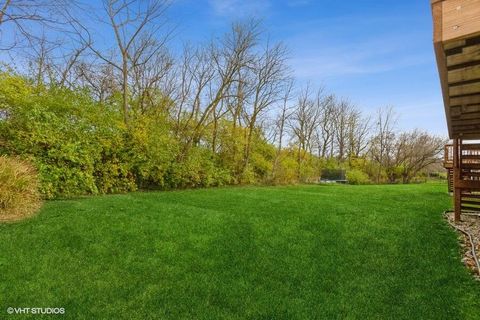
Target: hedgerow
{"type": "Point", "coordinates": [80, 146]}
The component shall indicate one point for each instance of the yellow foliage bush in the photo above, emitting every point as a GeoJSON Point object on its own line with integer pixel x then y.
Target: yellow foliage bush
{"type": "Point", "coordinates": [19, 195]}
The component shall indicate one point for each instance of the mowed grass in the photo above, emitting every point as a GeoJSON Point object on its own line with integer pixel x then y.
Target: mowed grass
{"type": "Point", "coordinates": [303, 252]}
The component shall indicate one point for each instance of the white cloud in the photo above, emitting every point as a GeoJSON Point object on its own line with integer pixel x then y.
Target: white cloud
{"type": "Point", "coordinates": [298, 3]}
{"type": "Point", "coordinates": [334, 49]}
{"type": "Point", "coordinates": [336, 63]}
{"type": "Point", "coordinates": [239, 8]}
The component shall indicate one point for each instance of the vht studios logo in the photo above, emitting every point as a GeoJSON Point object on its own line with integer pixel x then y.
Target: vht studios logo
{"type": "Point", "coordinates": [35, 310]}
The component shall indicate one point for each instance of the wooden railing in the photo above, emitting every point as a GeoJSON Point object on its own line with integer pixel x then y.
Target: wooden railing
{"type": "Point", "coordinates": [469, 155]}
{"type": "Point", "coordinates": [448, 156]}
{"type": "Point", "coordinates": [462, 160]}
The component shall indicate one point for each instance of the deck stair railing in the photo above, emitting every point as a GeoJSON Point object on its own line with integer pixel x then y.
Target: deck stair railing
{"type": "Point", "coordinates": [470, 171]}
{"type": "Point", "coordinates": [448, 164]}
{"type": "Point", "coordinates": [464, 174]}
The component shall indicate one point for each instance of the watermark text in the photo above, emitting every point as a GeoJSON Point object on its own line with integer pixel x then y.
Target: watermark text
{"type": "Point", "coordinates": [35, 310]}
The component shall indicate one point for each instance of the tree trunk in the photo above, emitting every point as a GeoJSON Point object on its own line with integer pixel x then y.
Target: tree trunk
{"type": "Point", "coordinates": [125, 87]}
{"type": "Point", "coordinates": [214, 135]}
{"type": "Point", "coordinates": [248, 145]}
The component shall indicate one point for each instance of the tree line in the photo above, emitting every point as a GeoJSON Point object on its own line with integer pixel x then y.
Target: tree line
{"type": "Point", "coordinates": [101, 103]}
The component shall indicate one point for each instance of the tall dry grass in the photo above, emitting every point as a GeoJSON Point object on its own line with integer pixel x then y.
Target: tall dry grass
{"type": "Point", "coordinates": [19, 196]}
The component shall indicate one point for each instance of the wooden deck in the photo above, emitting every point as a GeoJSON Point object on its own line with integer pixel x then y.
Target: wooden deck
{"type": "Point", "coordinates": [457, 48]}
{"type": "Point", "coordinates": [456, 28]}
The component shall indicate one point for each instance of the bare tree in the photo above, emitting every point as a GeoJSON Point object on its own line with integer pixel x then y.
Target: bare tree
{"type": "Point", "coordinates": [416, 151]}
{"type": "Point", "coordinates": [136, 27]}
{"type": "Point", "coordinates": [303, 123]}
{"type": "Point", "coordinates": [41, 60]}
{"type": "Point", "coordinates": [346, 120]}
{"type": "Point", "coordinates": [24, 21]}
{"type": "Point", "coordinates": [358, 134]}
{"type": "Point", "coordinates": [207, 76]}
{"type": "Point", "coordinates": [100, 79]}
{"type": "Point", "coordinates": [324, 131]}
{"type": "Point", "coordinates": [152, 80]}
{"type": "Point", "coordinates": [383, 142]}
{"type": "Point", "coordinates": [269, 73]}
{"type": "Point", "coordinates": [281, 122]}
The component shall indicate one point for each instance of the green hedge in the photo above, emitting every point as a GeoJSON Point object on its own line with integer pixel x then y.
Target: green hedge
{"type": "Point", "coordinates": [80, 146]}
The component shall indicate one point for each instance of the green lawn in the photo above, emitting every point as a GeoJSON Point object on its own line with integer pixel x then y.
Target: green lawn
{"type": "Point", "coordinates": [309, 252]}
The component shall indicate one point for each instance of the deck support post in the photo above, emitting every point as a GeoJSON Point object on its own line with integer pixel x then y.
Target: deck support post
{"type": "Point", "coordinates": [457, 194]}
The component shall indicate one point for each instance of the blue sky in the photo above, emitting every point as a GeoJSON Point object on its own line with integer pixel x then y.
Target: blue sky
{"type": "Point", "coordinates": [374, 52]}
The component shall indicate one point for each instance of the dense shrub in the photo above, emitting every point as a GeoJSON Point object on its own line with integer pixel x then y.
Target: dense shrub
{"type": "Point", "coordinates": [286, 171]}
{"type": "Point", "coordinates": [78, 145]}
{"type": "Point", "coordinates": [83, 146]}
{"type": "Point", "coordinates": [19, 196]}
{"type": "Point", "coordinates": [152, 150]}
{"type": "Point", "coordinates": [355, 176]}
{"type": "Point", "coordinates": [75, 143]}
{"type": "Point", "coordinates": [198, 169]}
{"type": "Point", "coordinates": [261, 162]}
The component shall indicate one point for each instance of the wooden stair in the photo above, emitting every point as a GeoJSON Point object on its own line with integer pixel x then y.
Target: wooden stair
{"type": "Point", "coordinates": [468, 176]}
{"type": "Point", "coordinates": [470, 200]}
{"type": "Point", "coordinates": [464, 175]}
